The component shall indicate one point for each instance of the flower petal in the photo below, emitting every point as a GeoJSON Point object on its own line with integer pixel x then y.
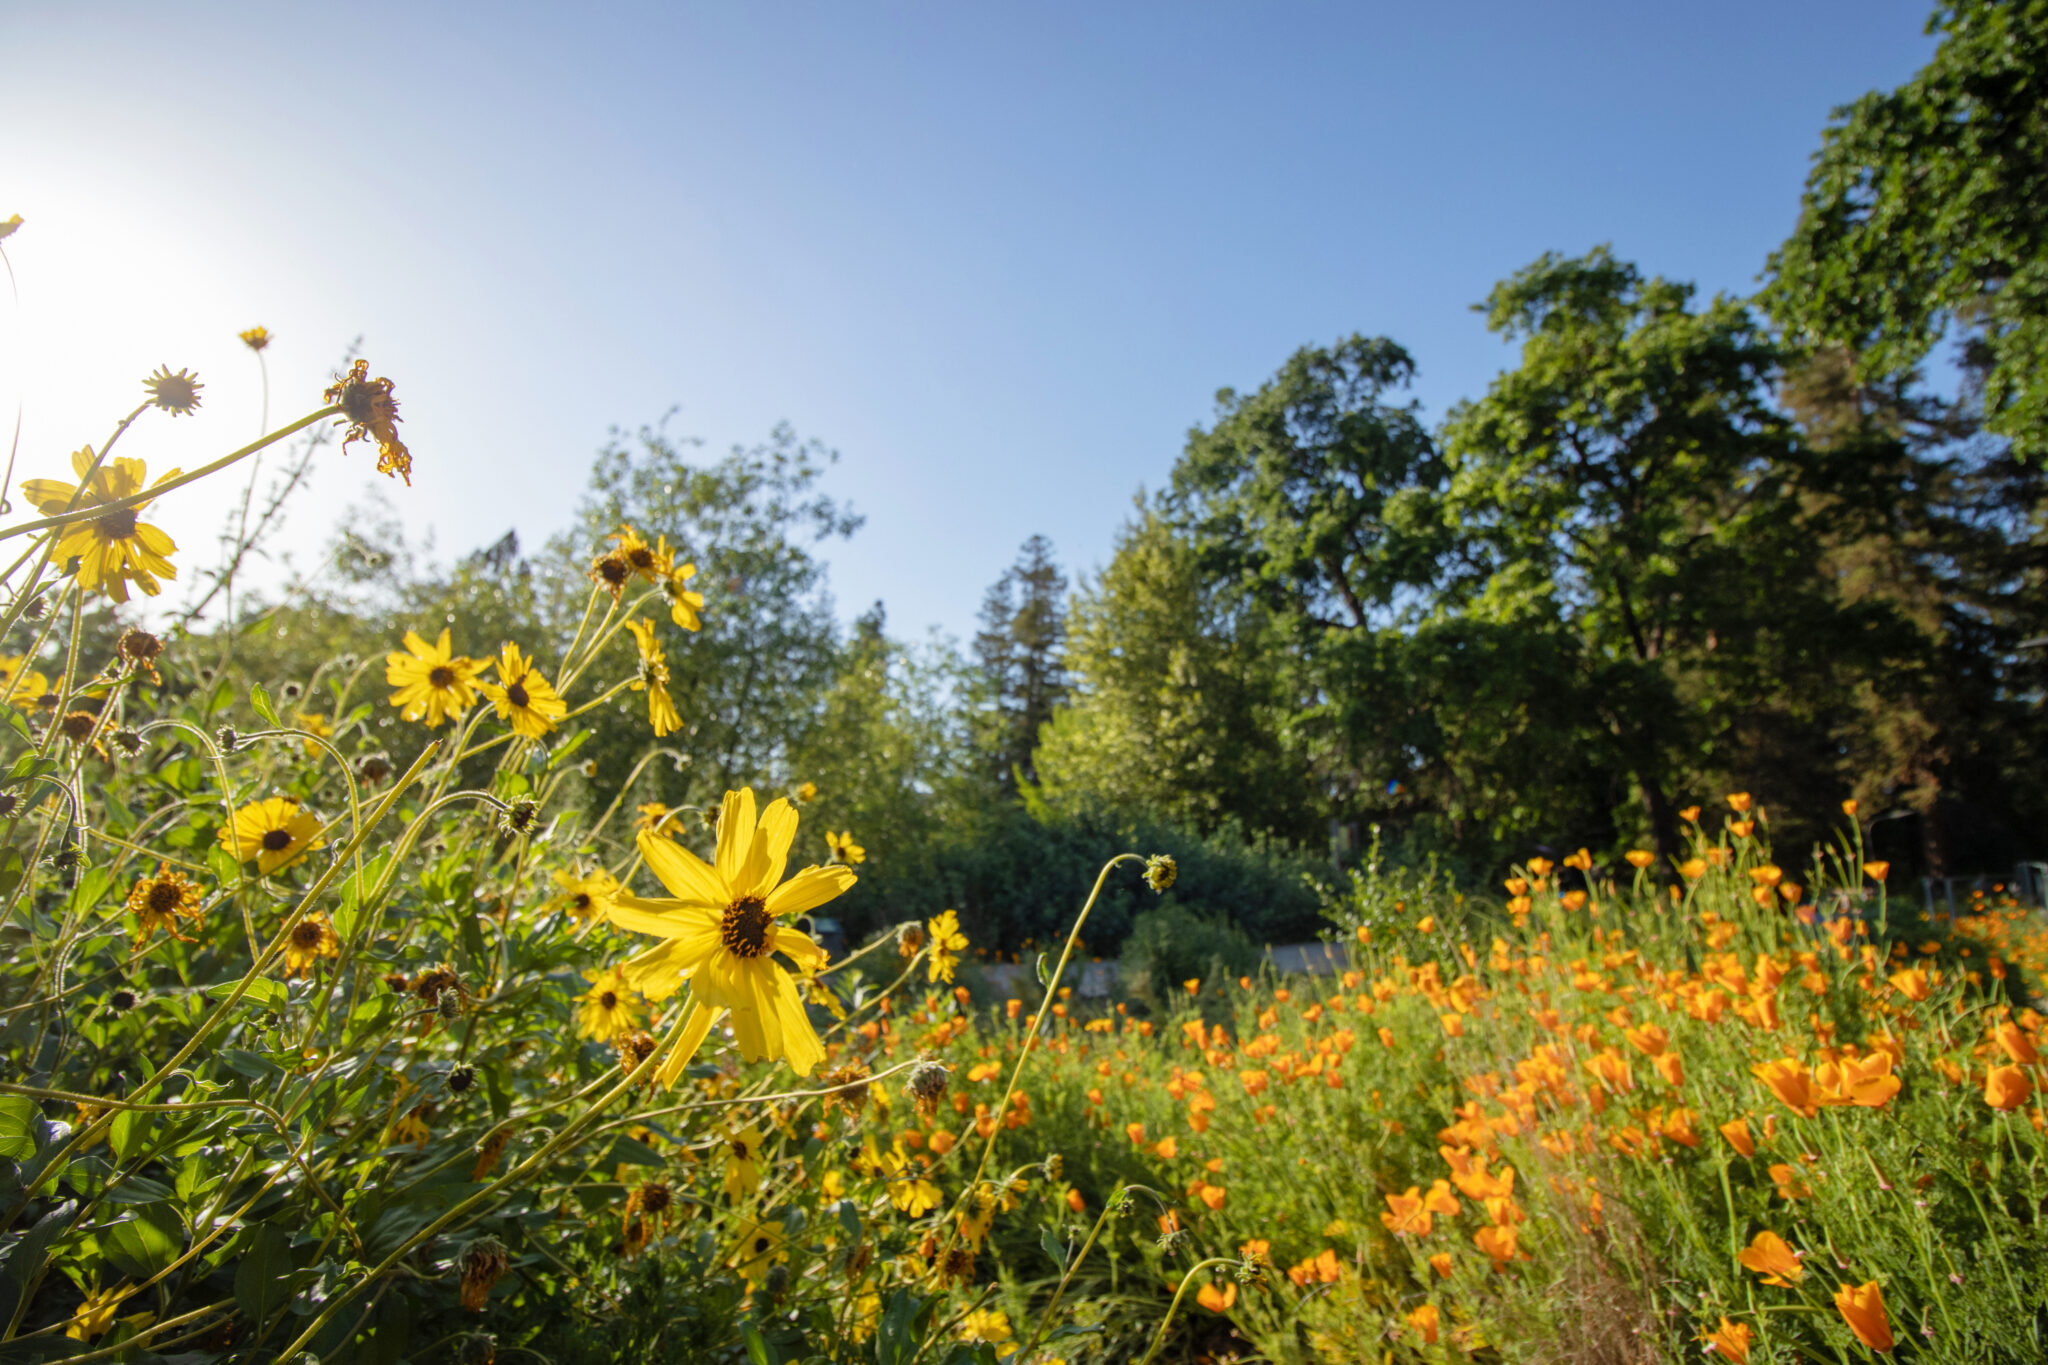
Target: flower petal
{"type": "Point", "coordinates": [810, 888]}
{"type": "Point", "coordinates": [735, 836]}
{"type": "Point", "coordinates": [777, 833]}
{"type": "Point", "coordinates": [800, 1045]}
{"type": "Point", "coordinates": [667, 918]}
{"type": "Point", "coordinates": [799, 947]}
{"type": "Point", "coordinates": [688, 878]}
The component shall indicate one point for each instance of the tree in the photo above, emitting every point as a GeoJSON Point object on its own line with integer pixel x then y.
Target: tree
{"type": "Point", "coordinates": [1922, 216]}
{"type": "Point", "coordinates": [1023, 671]}
{"type": "Point", "coordinates": [1179, 707]}
{"type": "Point", "coordinates": [1631, 489]}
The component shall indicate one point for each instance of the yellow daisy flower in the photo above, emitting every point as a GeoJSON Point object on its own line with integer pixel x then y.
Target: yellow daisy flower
{"type": "Point", "coordinates": [314, 725]}
{"type": "Point", "coordinates": [276, 831]}
{"type": "Point", "coordinates": [844, 849]}
{"type": "Point", "coordinates": [157, 902]}
{"type": "Point", "coordinates": [114, 548]}
{"type": "Point", "coordinates": [640, 557]}
{"type": "Point", "coordinates": [684, 606]}
{"type": "Point", "coordinates": [371, 414]}
{"type": "Point", "coordinates": [21, 685]}
{"type": "Point", "coordinates": [721, 932]}
{"type": "Point", "coordinates": [759, 1247]}
{"type": "Point", "coordinates": [312, 939]}
{"type": "Point", "coordinates": [523, 696]}
{"type": "Point", "coordinates": [653, 679]}
{"type": "Point", "coordinates": [742, 1164]}
{"type": "Point", "coordinates": [655, 817]}
{"type": "Point", "coordinates": [433, 683]}
{"type": "Point", "coordinates": [587, 896]}
{"type": "Point", "coordinates": [608, 1007]}
{"type": "Point", "coordinates": [95, 1317]}
{"type": "Point", "coordinates": [947, 940]}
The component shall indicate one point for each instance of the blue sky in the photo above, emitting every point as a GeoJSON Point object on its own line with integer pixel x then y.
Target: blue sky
{"type": "Point", "coordinates": [1001, 257]}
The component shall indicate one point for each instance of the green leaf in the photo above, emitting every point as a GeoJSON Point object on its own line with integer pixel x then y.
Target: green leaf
{"type": "Point", "coordinates": [757, 1349]}
{"type": "Point", "coordinates": [567, 747]}
{"type": "Point", "coordinates": [263, 1280]}
{"type": "Point", "coordinates": [11, 869]}
{"type": "Point", "coordinates": [1055, 1249]}
{"type": "Point", "coordinates": [145, 1245]}
{"type": "Point", "coordinates": [18, 1114]}
{"type": "Point", "coordinates": [23, 1268]}
{"type": "Point", "coordinates": [263, 992]}
{"type": "Point", "coordinates": [130, 1130]}
{"type": "Point", "coordinates": [260, 700]}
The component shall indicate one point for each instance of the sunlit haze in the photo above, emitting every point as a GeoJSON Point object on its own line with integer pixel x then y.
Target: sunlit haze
{"type": "Point", "coordinates": [1000, 258]}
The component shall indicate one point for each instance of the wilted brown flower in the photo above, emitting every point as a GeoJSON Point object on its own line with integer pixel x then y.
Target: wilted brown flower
{"type": "Point", "coordinates": [372, 415]}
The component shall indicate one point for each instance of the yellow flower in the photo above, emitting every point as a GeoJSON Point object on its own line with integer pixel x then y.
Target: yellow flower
{"type": "Point", "coordinates": [684, 606]}
{"type": "Point", "coordinates": [276, 831]}
{"type": "Point", "coordinates": [372, 415]}
{"type": "Point", "coordinates": [721, 932]}
{"type": "Point", "coordinates": [158, 901]}
{"type": "Point", "coordinates": [411, 1126]}
{"type": "Point", "coordinates": [314, 725]}
{"type": "Point", "coordinates": [985, 1324]}
{"type": "Point", "coordinates": [177, 394]}
{"type": "Point", "coordinates": [114, 548]}
{"type": "Point", "coordinates": [256, 338]}
{"type": "Point", "coordinates": [19, 684]}
{"type": "Point", "coordinates": [95, 1316]}
{"type": "Point", "coordinates": [844, 849]}
{"type": "Point", "coordinates": [909, 1191]}
{"type": "Point", "coordinates": [587, 896]}
{"type": "Point", "coordinates": [742, 1164]}
{"type": "Point", "coordinates": [312, 939]}
{"type": "Point", "coordinates": [640, 557]}
{"type": "Point", "coordinates": [946, 941]}
{"type": "Point", "coordinates": [433, 682]}
{"type": "Point", "coordinates": [522, 695]}
{"type": "Point", "coordinates": [608, 1007]}
{"type": "Point", "coordinates": [655, 817]}
{"type": "Point", "coordinates": [807, 793]}
{"type": "Point", "coordinates": [653, 679]}
{"type": "Point", "coordinates": [758, 1247]}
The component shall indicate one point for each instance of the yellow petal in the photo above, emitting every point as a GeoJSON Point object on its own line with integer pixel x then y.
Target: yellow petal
{"type": "Point", "coordinates": [657, 972]}
{"type": "Point", "coordinates": [687, 877]}
{"type": "Point", "coordinates": [666, 918]}
{"type": "Point", "coordinates": [777, 833]}
{"type": "Point", "coordinates": [800, 1045]}
{"type": "Point", "coordinates": [699, 1025]}
{"type": "Point", "coordinates": [809, 889]}
{"type": "Point", "coordinates": [735, 836]}
{"type": "Point", "coordinates": [798, 947]}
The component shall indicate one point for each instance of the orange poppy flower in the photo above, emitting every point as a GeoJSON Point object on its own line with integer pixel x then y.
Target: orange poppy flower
{"type": "Point", "coordinates": [1639, 858]}
{"type": "Point", "coordinates": [1875, 869]}
{"type": "Point", "coordinates": [1425, 1320]}
{"type": "Point", "coordinates": [1406, 1214]}
{"type": "Point", "coordinates": [2016, 1044]}
{"type": "Point", "coordinates": [1862, 1307]}
{"type": "Point", "coordinates": [1737, 1133]}
{"type": "Point", "coordinates": [1732, 1340]}
{"type": "Point", "coordinates": [1769, 1256]}
{"type": "Point", "coordinates": [1218, 1298]}
{"type": "Point", "coordinates": [2006, 1088]}
{"type": "Point", "coordinates": [1738, 802]}
{"type": "Point", "coordinates": [1790, 1081]}
{"type": "Point", "coordinates": [1496, 1241]}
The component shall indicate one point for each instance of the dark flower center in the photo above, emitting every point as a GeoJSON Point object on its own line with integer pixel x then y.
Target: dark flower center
{"type": "Point", "coordinates": [739, 1151]}
{"type": "Point", "coordinates": [163, 897]}
{"type": "Point", "coordinates": [640, 557]}
{"type": "Point", "coordinates": [77, 725]}
{"type": "Point", "coordinates": [612, 570]}
{"type": "Point", "coordinates": [581, 900]}
{"type": "Point", "coordinates": [118, 524]}
{"type": "Point", "coordinates": [517, 695]}
{"type": "Point", "coordinates": [761, 1244]}
{"type": "Point", "coordinates": [609, 1000]}
{"type": "Point", "coordinates": [277, 840]}
{"type": "Point", "coordinates": [745, 930]}
{"type": "Point", "coordinates": [306, 934]}
{"type": "Point", "coordinates": [442, 676]}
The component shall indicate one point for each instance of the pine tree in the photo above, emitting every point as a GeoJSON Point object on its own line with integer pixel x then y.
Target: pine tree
{"type": "Point", "coordinates": [1021, 650]}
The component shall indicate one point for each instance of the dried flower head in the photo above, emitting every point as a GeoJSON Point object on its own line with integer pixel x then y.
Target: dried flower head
{"type": "Point", "coordinates": [227, 739]}
{"type": "Point", "coordinates": [612, 571]}
{"type": "Point", "coordinates": [520, 817]}
{"type": "Point", "coordinates": [374, 769]}
{"type": "Point", "coordinates": [461, 1079]}
{"type": "Point", "coordinates": [11, 803]}
{"type": "Point", "coordinates": [370, 411]}
{"type": "Point", "coordinates": [159, 901]}
{"type": "Point", "coordinates": [482, 1262]}
{"type": "Point", "coordinates": [1160, 872]}
{"type": "Point", "coordinates": [77, 726]}
{"type": "Point", "coordinates": [927, 1086]}
{"type": "Point", "coordinates": [128, 741]}
{"type": "Point", "coordinates": [138, 646]}
{"type": "Point", "coordinates": [177, 393]}
{"type": "Point", "coordinates": [634, 1048]}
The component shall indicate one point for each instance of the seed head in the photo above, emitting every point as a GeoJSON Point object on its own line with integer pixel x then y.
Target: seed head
{"type": "Point", "coordinates": [77, 726]}
{"type": "Point", "coordinates": [37, 608]}
{"type": "Point", "coordinates": [228, 740]}
{"type": "Point", "coordinates": [177, 393]}
{"type": "Point", "coordinates": [927, 1086]}
{"type": "Point", "coordinates": [128, 741]}
{"type": "Point", "coordinates": [138, 646]}
{"type": "Point", "coordinates": [461, 1079]}
{"type": "Point", "coordinates": [1160, 872]}
{"type": "Point", "coordinates": [374, 769]}
{"type": "Point", "coordinates": [520, 817]}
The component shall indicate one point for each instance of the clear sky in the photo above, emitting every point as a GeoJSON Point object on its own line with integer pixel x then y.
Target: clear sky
{"type": "Point", "coordinates": [1000, 256]}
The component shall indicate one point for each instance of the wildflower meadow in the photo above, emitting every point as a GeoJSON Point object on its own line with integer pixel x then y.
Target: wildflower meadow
{"type": "Point", "coordinates": [1504, 893]}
